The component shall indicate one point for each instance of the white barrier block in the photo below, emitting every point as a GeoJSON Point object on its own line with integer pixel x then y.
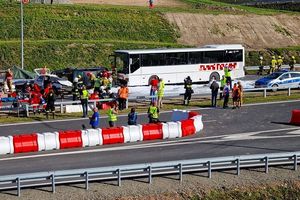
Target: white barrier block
{"type": "Point", "coordinates": [174, 129]}
{"type": "Point", "coordinates": [126, 134]}
{"type": "Point", "coordinates": [165, 129]}
{"type": "Point", "coordinates": [51, 140]}
{"type": "Point", "coordinates": [198, 123]}
{"type": "Point", "coordinates": [135, 133]}
{"type": "Point", "coordinates": [41, 142]}
{"type": "Point", "coordinates": [75, 108]}
{"type": "Point", "coordinates": [6, 145]}
{"type": "Point", "coordinates": [91, 137]}
{"type": "Point", "coordinates": [178, 115]}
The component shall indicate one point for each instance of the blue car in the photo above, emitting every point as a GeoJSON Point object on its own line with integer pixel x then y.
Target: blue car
{"type": "Point", "coordinates": [281, 79]}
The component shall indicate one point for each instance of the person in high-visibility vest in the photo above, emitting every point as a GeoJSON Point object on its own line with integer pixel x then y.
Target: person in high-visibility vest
{"type": "Point", "coordinates": [160, 92]}
{"type": "Point", "coordinates": [273, 65]}
{"type": "Point", "coordinates": [97, 84]}
{"type": "Point", "coordinates": [222, 85]}
{"type": "Point", "coordinates": [279, 62]}
{"type": "Point", "coordinates": [261, 66]}
{"type": "Point", "coordinates": [112, 115]}
{"type": "Point", "coordinates": [188, 90]}
{"type": "Point", "coordinates": [153, 113]}
{"type": "Point", "coordinates": [227, 73]}
{"type": "Point", "coordinates": [84, 97]}
{"type": "Point", "coordinates": [292, 63]}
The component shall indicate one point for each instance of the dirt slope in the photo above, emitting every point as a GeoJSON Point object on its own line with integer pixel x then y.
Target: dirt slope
{"type": "Point", "coordinates": [253, 31]}
{"type": "Point", "coordinates": [172, 3]}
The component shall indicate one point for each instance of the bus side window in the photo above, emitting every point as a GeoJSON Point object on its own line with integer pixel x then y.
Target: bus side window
{"type": "Point", "coordinates": [135, 62]}
{"type": "Point", "coordinates": [234, 56]}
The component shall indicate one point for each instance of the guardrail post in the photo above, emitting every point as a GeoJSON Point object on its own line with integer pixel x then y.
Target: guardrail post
{"type": "Point", "coordinates": [209, 169]}
{"type": "Point", "coordinates": [119, 177]}
{"type": "Point", "coordinates": [238, 171]}
{"type": "Point", "coordinates": [289, 91]}
{"type": "Point", "coordinates": [18, 186]}
{"type": "Point", "coordinates": [265, 93]}
{"type": "Point", "coordinates": [150, 175]}
{"type": "Point", "coordinates": [61, 108]}
{"type": "Point", "coordinates": [95, 104]}
{"type": "Point", "coordinates": [127, 103]}
{"type": "Point", "coordinates": [295, 162]}
{"type": "Point", "coordinates": [266, 164]}
{"type": "Point", "coordinates": [53, 183]}
{"type": "Point", "coordinates": [86, 180]}
{"type": "Point", "coordinates": [180, 172]}
{"type": "Point", "coordinates": [27, 110]}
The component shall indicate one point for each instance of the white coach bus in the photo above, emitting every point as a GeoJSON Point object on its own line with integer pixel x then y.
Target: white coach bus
{"type": "Point", "coordinates": [138, 67]}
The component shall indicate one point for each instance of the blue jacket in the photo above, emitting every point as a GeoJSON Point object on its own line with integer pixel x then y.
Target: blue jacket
{"type": "Point", "coordinates": [132, 117]}
{"type": "Point", "coordinates": [94, 121]}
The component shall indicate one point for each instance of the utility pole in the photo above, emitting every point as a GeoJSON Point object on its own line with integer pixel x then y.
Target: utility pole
{"type": "Point", "coordinates": [22, 35]}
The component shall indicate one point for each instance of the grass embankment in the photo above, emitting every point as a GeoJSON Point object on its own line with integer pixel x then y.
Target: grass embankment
{"type": "Point", "coordinates": [196, 102]}
{"type": "Point", "coordinates": [73, 35]}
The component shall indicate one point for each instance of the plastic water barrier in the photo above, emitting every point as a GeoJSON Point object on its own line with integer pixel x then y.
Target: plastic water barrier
{"type": "Point", "coordinates": [183, 124]}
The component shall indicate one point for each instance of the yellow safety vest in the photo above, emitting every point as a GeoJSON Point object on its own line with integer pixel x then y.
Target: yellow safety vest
{"type": "Point", "coordinates": [111, 116]}
{"type": "Point", "coordinates": [153, 112]}
{"type": "Point", "coordinates": [85, 94]}
{"type": "Point", "coordinates": [227, 72]}
{"type": "Point", "coordinates": [273, 63]}
{"type": "Point", "coordinates": [223, 82]}
{"type": "Point", "coordinates": [161, 89]}
{"type": "Point", "coordinates": [279, 61]}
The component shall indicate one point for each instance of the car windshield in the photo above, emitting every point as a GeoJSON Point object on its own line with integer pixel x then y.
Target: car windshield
{"type": "Point", "coordinates": [274, 75]}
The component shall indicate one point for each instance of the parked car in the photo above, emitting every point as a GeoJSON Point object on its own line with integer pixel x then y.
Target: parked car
{"type": "Point", "coordinates": [281, 79]}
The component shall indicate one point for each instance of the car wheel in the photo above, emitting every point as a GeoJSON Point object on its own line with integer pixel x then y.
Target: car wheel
{"type": "Point", "coordinates": [214, 75]}
{"type": "Point", "coordinates": [274, 87]}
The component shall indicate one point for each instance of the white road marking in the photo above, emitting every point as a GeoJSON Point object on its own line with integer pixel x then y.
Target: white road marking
{"type": "Point", "coordinates": [212, 139]}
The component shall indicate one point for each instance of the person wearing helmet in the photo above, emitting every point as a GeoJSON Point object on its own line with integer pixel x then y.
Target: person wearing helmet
{"type": "Point", "coordinates": [279, 62]}
{"type": "Point", "coordinates": [261, 65]}
{"type": "Point", "coordinates": [292, 63]}
{"type": "Point", "coordinates": [273, 65]}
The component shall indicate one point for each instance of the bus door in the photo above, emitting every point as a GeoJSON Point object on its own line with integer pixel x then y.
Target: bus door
{"type": "Point", "coordinates": [134, 69]}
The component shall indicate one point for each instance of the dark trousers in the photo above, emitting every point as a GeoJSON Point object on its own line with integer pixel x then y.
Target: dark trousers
{"type": "Point", "coordinates": [122, 103]}
{"type": "Point", "coordinates": [226, 99]}
{"type": "Point", "coordinates": [187, 97]}
{"type": "Point", "coordinates": [214, 96]}
{"type": "Point", "coordinates": [111, 124]}
{"type": "Point", "coordinates": [84, 104]}
{"type": "Point", "coordinates": [221, 93]}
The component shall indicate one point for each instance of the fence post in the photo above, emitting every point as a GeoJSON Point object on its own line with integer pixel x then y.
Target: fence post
{"type": "Point", "coordinates": [18, 186]}
{"type": "Point", "coordinates": [266, 164]}
{"type": "Point", "coordinates": [295, 162]}
{"type": "Point", "coordinates": [27, 110]}
{"type": "Point", "coordinates": [265, 93]}
{"type": "Point", "coordinates": [209, 169]}
{"type": "Point", "coordinates": [180, 172]}
{"type": "Point", "coordinates": [53, 183]}
{"type": "Point", "coordinates": [127, 103]}
{"type": "Point", "coordinates": [95, 104]}
{"type": "Point", "coordinates": [119, 177]}
{"type": "Point", "coordinates": [61, 108]}
{"type": "Point", "coordinates": [150, 175]}
{"type": "Point", "coordinates": [289, 91]}
{"type": "Point", "coordinates": [86, 180]}
{"type": "Point", "coordinates": [238, 167]}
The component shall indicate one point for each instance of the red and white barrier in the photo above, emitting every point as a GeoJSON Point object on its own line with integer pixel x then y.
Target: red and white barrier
{"type": "Point", "coordinates": [184, 124]}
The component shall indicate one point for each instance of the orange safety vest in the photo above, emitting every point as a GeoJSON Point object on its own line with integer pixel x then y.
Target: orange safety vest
{"type": "Point", "coordinates": [123, 93]}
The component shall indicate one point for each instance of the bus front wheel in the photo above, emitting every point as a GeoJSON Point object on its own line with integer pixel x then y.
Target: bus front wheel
{"type": "Point", "coordinates": [151, 78]}
{"type": "Point", "coordinates": [215, 76]}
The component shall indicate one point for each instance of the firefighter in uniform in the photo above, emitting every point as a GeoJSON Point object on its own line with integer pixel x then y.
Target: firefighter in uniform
{"type": "Point", "coordinates": [273, 65]}
{"type": "Point", "coordinates": [75, 90]}
{"type": "Point", "coordinates": [279, 62]}
{"type": "Point", "coordinates": [292, 63]}
{"type": "Point", "coordinates": [153, 112]}
{"type": "Point", "coordinates": [261, 66]}
{"type": "Point", "coordinates": [188, 90]}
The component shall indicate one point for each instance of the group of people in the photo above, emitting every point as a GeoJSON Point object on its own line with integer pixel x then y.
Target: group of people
{"type": "Point", "coordinates": [276, 64]}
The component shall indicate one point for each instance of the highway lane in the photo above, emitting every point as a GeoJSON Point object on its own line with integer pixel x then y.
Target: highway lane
{"type": "Point", "coordinates": [235, 132]}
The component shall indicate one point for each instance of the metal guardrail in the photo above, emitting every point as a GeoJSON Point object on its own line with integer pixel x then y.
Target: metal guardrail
{"type": "Point", "coordinates": [148, 170]}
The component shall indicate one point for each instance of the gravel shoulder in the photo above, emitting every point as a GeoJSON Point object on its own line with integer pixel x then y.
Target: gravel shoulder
{"type": "Point", "coordinates": [167, 188]}
{"type": "Point", "coordinates": [169, 3]}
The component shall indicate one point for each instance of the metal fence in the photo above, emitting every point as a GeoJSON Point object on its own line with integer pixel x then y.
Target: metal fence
{"type": "Point", "coordinates": [148, 170]}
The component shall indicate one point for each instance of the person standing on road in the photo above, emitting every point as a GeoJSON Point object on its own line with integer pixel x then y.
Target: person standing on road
{"type": "Point", "coordinates": [112, 115]}
{"type": "Point", "coordinates": [226, 92]}
{"type": "Point", "coordinates": [153, 89]}
{"type": "Point", "coordinates": [50, 107]}
{"type": "Point", "coordinates": [84, 98]}
{"type": "Point", "coordinates": [95, 119]}
{"type": "Point", "coordinates": [292, 63]}
{"type": "Point", "coordinates": [153, 113]}
{"type": "Point", "coordinates": [261, 66]}
{"type": "Point", "coordinates": [132, 117]}
{"type": "Point", "coordinates": [160, 92]}
{"type": "Point", "coordinates": [188, 90]}
{"type": "Point", "coordinates": [234, 95]}
{"type": "Point", "coordinates": [240, 94]}
{"type": "Point", "coordinates": [214, 93]}
{"type": "Point", "coordinates": [223, 83]}
{"type": "Point", "coordinates": [279, 62]}
{"type": "Point", "coordinates": [273, 65]}
{"type": "Point", "coordinates": [123, 95]}
{"type": "Point", "coordinates": [227, 73]}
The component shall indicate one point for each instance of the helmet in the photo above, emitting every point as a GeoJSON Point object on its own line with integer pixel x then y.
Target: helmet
{"type": "Point", "coordinates": [78, 76]}
{"type": "Point", "coordinates": [293, 57]}
{"type": "Point", "coordinates": [273, 57]}
{"type": "Point", "coordinates": [75, 80]}
{"type": "Point", "coordinates": [279, 56]}
{"type": "Point", "coordinates": [260, 57]}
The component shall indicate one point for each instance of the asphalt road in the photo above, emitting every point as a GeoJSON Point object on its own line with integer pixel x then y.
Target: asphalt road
{"type": "Point", "coordinates": [250, 130]}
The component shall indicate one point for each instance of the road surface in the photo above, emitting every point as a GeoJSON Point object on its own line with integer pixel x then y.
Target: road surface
{"type": "Point", "coordinates": [253, 129]}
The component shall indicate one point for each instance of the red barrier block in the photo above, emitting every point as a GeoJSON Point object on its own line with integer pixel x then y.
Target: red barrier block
{"type": "Point", "coordinates": [25, 143]}
{"type": "Point", "coordinates": [152, 131]}
{"type": "Point", "coordinates": [187, 127]}
{"type": "Point", "coordinates": [113, 135]}
{"type": "Point", "coordinates": [295, 117]}
{"type": "Point", "coordinates": [70, 139]}
{"type": "Point", "coordinates": [193, 114]}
